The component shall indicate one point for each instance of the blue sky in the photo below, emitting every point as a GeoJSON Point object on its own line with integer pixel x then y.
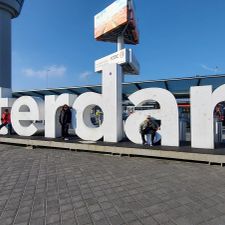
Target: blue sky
{"type": "Point", "coordinates": [54, 39]}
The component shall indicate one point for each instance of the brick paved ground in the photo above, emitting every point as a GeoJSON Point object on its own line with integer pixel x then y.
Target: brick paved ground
{"type": "Point", "coordinates": [54, 187]}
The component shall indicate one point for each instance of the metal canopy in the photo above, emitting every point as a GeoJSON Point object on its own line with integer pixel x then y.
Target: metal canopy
{"type": "Point", "coordinates": [180, 87]}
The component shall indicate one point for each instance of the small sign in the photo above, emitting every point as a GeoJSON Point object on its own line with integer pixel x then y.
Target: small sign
{"type": "Point", "coordinates": [124, 57]}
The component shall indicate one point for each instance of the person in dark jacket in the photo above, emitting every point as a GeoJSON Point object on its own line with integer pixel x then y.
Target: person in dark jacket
{"type": "Point", "coordinates": [65, 120]}
{"type": "Point", "coordinates": [6, 120]}
{"type": "Point", "coordinates": [148, 128]}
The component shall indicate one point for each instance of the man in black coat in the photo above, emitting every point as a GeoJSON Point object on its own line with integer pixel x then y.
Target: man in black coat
{"type": "Point", "coordinates": [65, 120]}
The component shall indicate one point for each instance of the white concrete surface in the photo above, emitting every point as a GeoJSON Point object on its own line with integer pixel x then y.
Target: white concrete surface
{"type": "Point", "coordinates": [52, 111]}
{"type": "Point", "coordinates": [26, 111]}
{"type": "Point", "coordinates": [203, 102]}
{"type": "Point", "coordinates": [112, 102]}
{"type": "Point", "coordinates": [168, 114]}
{"type": "Point", "coordinates": [83, 106]}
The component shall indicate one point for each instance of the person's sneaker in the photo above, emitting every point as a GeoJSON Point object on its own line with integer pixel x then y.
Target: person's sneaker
{"type": "Point", "coordinates": [66, 139]}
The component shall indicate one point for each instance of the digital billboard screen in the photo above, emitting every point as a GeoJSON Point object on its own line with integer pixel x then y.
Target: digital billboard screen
{"type": "Point", "coordinates": [116, 19]}
{"type": "Point", "coordinates": [111, 17]}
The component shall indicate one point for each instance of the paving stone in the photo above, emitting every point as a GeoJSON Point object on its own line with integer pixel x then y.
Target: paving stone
{"type": "Point", "coordinates": [149, 220]}
{"type": "Point", "coordinates": [53, 210]}
{"type": "Point", "coordinates": [22, 218]}
{"type": "Point", "coordinates": [63, 187]}
{"type": "Point", "coordinates": [84, 219]}
{"type": "Point", "coordinates": [9, 213]}
{"type": "Point", "coordinates": [141, 213]}
{"type": "Point", "coordinates": [52, 218]}
{"type": "Point", "coordinates": [67, 214]}
{"type": "Point", "coordinates": [162, 218]}
{"type": "Point", "coordinates": [26, 203]}
{"type": "Point", "coordinates": [170, 223]}
{"type": "Point", "coordinates": [69, 222]}
{"type": "Point", "coordinates": [129, 216]}
{"type": "Point", "coordinates": [66, 207]}
{"type": "Point", "coordinates": [218, 221]}
{"type": "Point", "coordinates": [135, 223]}
{"type": "Point", "coordinates": [81, 211]}
{"type": "Point", "coordinates": [6, 220]}
{"type": "Point", "coordinates": [97, 216]}
{"type": "Point", "coordinates": [78, 204]}
{"type": "Point", "coordinates": [22, 223]}
{"type": "Point", "coordinates": [38, 214]}
{"type": "Point", "coordinates": [193, 218]}
{"type": "Point", "coordinates": [102, 222]}
{"type": "Point", "coordinates": [106, 205]}
{"type": "Point", "coordinates": [116, 220]}
{"type": "Point", "coordinates": [23, 210]}
{"type": "Point", "coordinates": [94, 208]}
{"type": "Point", "coordinates": [111, 212]}
{"type": "Point", "coordinates": [102, 199]}
{"type": "Point", "coordinates": [37, 221]}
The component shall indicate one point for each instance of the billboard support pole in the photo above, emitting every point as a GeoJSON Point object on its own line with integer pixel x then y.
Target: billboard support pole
{"type": "Point", "coordinates": [120, 46]}
{"type": "Point", "coordinates": [120, 43]}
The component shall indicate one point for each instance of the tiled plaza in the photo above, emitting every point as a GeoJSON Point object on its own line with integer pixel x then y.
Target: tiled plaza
{"type": "Point", "coordinates": [47, 186]}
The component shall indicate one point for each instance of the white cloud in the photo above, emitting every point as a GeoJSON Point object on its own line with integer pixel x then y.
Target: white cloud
{"type": "Point", "coordinates": [51, 71]}
{"type": "Point", "coordinates": [215, 70]}
{"type": "Point", "coordinates": [85, 75]}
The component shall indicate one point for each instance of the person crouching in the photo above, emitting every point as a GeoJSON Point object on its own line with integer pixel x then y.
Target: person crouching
{"type": "Point", "coordinates": [148, 128]}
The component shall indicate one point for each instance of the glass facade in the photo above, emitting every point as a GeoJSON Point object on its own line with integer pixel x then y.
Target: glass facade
{"type": "Point", "coordinates": [177, 86]}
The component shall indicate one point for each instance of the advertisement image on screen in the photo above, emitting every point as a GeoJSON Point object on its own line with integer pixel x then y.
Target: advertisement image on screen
{"type": "Point", "coordinates": [115, 20]}
{"type": "Point", "coordinates": [111, 17]}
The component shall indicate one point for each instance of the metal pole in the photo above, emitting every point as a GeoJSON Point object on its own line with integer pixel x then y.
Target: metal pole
{"type": "Point", "coordinates": [120, 43]}
{"type": "Point", "coordinates": [120, 46]}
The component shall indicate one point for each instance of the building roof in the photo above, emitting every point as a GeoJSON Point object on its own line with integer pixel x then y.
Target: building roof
{"type": "Point", "coordinates": [180, 87]}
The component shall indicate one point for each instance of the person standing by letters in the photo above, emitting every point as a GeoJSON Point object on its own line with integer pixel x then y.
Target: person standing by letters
{"type": "Point", "coordinates": [65, 120]}
{"type": "Point", "coordinates": [6, 121]}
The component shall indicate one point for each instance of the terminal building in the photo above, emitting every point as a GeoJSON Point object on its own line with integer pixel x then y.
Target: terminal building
{"type": "Point", "coordinates": [180, 87]}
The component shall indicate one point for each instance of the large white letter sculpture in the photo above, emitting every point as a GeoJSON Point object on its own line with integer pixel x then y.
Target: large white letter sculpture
{"type": "Point", "coordinates": [112, 102]}
{"type": "Point", "coordinates": [25, 112]}
{"type": "Point", "coordinates": [52, 105]}
{"type": "Point", "coordinates": [168, 114]}
{"type": "Point", "coordinates": [83, 106]}
{"type": "Point", "coordinates": [203, 102]}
